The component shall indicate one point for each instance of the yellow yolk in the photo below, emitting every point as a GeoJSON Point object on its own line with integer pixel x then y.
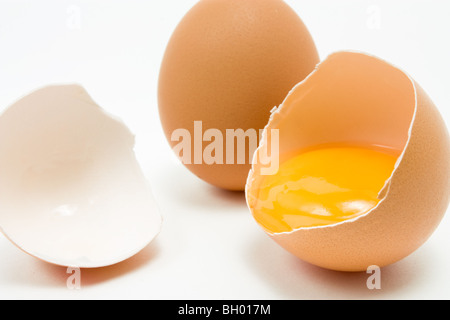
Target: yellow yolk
{"type": "Point", "coordinates": [322, 187]}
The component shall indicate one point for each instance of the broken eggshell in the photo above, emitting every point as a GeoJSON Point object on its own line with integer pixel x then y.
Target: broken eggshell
{"type": "Point", "coordinates": [358, 99]}
{"type": "Point", "coordinates": [71, 190]}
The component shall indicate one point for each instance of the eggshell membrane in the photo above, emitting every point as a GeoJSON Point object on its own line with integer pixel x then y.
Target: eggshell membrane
{"type": "Point", "coordinates": [228, 63]}
{"type": "Point", "coordinates": [71, 190]}
{"type": "Point", "coordinates": [361, 100]}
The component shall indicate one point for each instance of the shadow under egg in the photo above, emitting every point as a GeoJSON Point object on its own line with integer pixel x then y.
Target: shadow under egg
{"type": "Point", "coordinates": [293, 278]}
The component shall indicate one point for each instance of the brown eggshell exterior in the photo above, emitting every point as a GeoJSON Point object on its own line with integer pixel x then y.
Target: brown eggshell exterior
{"type": "Point", "coordinates": [415, 202]}
{"type": "Point", "coordinates": [228, 63]}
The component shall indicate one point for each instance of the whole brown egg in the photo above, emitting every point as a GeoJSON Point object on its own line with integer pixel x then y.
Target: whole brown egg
{"type": "Point", "coordinates": [227, 65]}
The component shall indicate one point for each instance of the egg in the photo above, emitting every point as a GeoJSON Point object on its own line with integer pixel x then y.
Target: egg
{"type": "Point", "coordinates": [364, 173]}
{"type": "Point", "coordinates": [71, 190]}
{"type": "Point", "coordinates": [228, 63]}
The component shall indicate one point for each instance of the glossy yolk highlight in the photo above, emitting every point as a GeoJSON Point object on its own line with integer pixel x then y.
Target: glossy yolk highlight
{"type": "Point", "coordinates": [322, 187]}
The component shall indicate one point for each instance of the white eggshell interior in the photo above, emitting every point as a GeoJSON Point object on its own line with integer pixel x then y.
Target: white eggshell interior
{"type": "Point", "coordinates": [71, 190]}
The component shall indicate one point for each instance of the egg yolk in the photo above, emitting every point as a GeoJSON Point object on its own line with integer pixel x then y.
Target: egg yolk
{"type": "Point", "coordinates": [322, 187]}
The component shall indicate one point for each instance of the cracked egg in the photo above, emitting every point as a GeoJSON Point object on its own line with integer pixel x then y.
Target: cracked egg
{"type": "Point", "coordinates": [71, 190]}
{"type": "Point", "coordinates": [363, 176]}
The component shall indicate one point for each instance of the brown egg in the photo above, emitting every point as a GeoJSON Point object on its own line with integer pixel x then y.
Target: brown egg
{"type": "Point", "coordinates": [228, 63]}
{"type": "Point", "coordinates": [359, 100]}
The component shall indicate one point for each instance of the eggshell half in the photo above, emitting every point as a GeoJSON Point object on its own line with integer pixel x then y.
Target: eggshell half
{"type": "Point", "coordinates": [71, 190]}
{"type": "Point", "coordinates": [359, 99]}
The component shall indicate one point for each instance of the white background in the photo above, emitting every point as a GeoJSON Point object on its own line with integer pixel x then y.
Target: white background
{"type": "Point", "coordinates": [210, 247]}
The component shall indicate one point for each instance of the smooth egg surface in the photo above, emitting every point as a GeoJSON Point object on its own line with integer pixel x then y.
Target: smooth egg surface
{"type": "Point", "coordinates": [228, 63]}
